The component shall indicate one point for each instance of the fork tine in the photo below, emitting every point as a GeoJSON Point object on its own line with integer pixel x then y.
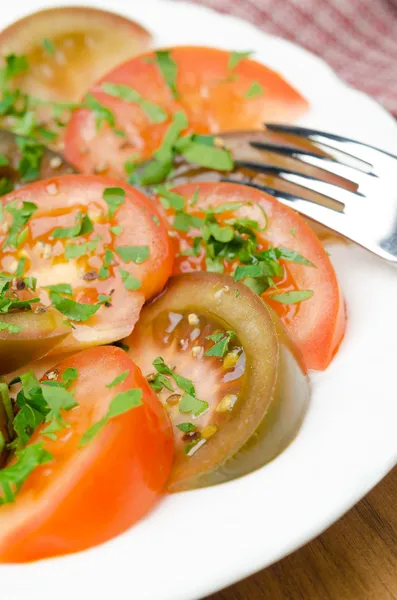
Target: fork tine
{"type": "Point", "coordinates": [328, 190]}
{"type": "Point", "coordinates": [333, 219]}
{"type": "Point", "coordinates": [327, 163]}
{"type": "Point", "coordinates": [318, 212]}
{"type": "Point", "coordinates": [366, 152]}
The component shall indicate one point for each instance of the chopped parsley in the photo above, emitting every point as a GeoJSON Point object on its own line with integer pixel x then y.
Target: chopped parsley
{"type": "Point", "coordinates": [14, 475]}
{"type": "Point", "coordinates": [119, 379]}
{"type": "Point", "coordinates": [77, 250]}
{"type": "Point", "coordinates": [185, 384]}
{"type": "Point", "coordinates": [60, 288]}
{"type": "Point", "coordinates": [221, 343]}
{"type": "Point", "coordinates": [20, 217]}
{"type": "Point", "coordinates": [191, 404]}
{"type": "Point", "coordinates": [107, 261]}
{"type": "Point", "coordinates": [168, 68]}
{"type": "Point", "coordinates": [154, 112]}
{"type": "Point", "coordinates": [130, 282]}
{"type": "Point", "coordinates": [48, 46]}
{"type": "Point", "coordinates": [4, 162]}
{"type": "Point", "coordinates": [293, 297]}
{"type": "Point", "coordinates": [187, 427]}
{"type": "Point", "coordinates": [136, 254]}
{"type": "Point", "coordinates": [83, 225]}
{"type": "Point", "coordinates": [121, 403]}
{"type": "Point", "coordinates": [114, 198]}
{"type": "Point", "coordinates": [101, 113]}
{"type": "Point", "coordinates": [76, 311]}
{"type": "Point", "coordinates": [255, 90]}
{"type": "Point", "coordinates": [32, 153]}
{"type": "Point", "coordinates": [236, 57]}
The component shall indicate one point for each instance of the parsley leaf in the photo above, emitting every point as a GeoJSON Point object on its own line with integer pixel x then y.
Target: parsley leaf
{"type": "Point", "coordinates": [187, 427]}
{"type": "Point", "coordinates": [121, 403]}
{"type": "Point", "coordinates": [191, 404]}
{"type": "Point", "coordinates": [32, 153]}
{"type": "Point", "coordinates": [221, 344]}
{"type": "Point", "coordinates": [292, 297]}
{"type": "Point", "coordinates": [289, 255]}
{"type": "Point", "coordinates": [14, 475]}
{"type": "Point", "coordinates": [159, 381]}
{"type": "Point", "coordinates": [83, 225]}
{"type": "Point", "coordinates": [255, 90]}
{"type": "Point", "coordinates": [101, 113]}
{"type": "Point", "coordinates": [211, 157]}
{"type": "Point", "coordinates": [169, 70]}
{"type": "Point", "coordinates": [114, 198]}
{"type": "Point", "coordinates": [48, 46]}
{"type": "Point", "coordinates": [164, 154]}
{"type": "Point", "coordinates": [60, 288]}
{"type": "Point", "coordinates": [185, 384]}
{"type": "Point", "coordinates": [107, 261]}
{"type": "Point", "coordinates": [77, 250]}
{"type": "Point", "coordinates": [236, 57]}
{"type": "Point", "coordinates": [154, 112]}
{"type": "Point", "coordinates": [119, 379]}
{"type": "Point", "coordinates": [20, 217]}
{"type": "Point", "coordinates": [136, 254]}
{"type": "Point", "coordinates": [75, 311]}
{"type": "Point", "coordinates": [130, 282]}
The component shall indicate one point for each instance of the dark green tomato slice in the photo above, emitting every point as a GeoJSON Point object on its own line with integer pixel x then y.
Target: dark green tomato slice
{"type": "Point", "coordinates": [252, 394]}
{"type": "Point", "coordinates": [41, 330]}
{"type": "Point", "coordinates": [21, 164]}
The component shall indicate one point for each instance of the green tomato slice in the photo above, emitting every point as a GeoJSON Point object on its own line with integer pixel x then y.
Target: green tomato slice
{"type": "Point", "coordinates": [34, 334]}
{"type": "Point", "coordinates": [243, 393]}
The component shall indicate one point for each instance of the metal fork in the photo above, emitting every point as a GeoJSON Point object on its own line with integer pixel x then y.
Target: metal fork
{"type": "Point", "coordinates": [346, 185]}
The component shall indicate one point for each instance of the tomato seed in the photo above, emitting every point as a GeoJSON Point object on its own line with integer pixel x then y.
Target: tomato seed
{"type": "Point", "coordinates": [173, 400]}
{"type": "Point", "coordinates": [191, 436]}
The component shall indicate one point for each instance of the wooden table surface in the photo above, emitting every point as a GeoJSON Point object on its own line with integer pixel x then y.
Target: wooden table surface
{"type": "Point", "coordinates": [355, 559]}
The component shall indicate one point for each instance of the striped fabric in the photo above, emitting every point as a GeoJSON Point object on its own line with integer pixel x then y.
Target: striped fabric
{"type": "Point", "coordinates": [358, 38]}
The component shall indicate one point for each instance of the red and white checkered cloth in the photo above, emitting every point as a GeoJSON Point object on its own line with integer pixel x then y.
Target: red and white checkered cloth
{"type": "Point", "coordinates": [358, 38]}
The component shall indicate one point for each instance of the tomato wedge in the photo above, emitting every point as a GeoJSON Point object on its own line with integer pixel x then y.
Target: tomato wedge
{"type": "Point", "coordinates": [307, 296]}
{"type": "Point", "coordinates": [87, 494]}
{"type": "Point", "coordinates": [68, 48]}
{"type": "Point", "coordinates": [216, 89]}
{"type": "Point", "coordinates": [226, 373]}
{"type": "Point", "coordinates": [99, 245]}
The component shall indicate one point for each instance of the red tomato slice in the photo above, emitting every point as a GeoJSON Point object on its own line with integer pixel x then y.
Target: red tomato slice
{"type": "Point", "coordinates": [60, 203]}
{"type": "Point", "coordinates": [86, 495]}
{"type": "Point", "coordinates": [213, 97]}
{"type": "Point", "coordinates": [316, 325]}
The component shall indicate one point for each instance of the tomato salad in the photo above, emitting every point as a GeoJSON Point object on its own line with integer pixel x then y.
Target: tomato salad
{"type": "Point", "coordinates": [153, 338]}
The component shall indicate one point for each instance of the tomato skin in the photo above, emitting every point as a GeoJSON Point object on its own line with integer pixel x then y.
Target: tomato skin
{"type": "Point", "coordinates": [316, 325]}
{"type": "Point", "coordinates": [86, 496]}
{"type": "Point", "coordinates": [58, 201]}
{"type": "Point", "coordinates": [212, 100]}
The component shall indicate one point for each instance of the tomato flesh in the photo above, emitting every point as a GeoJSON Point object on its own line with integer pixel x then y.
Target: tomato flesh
{"type": "Point", "coordinates": [257, 392]}
{"type": "Point", "coordinates": [59, 203]}
{"type": "Point", "coordinates": [212, 96]}
{"type": "Point", "coordinates": [87, 495]}
{"type": "Point", "coordinates": [316, 325]}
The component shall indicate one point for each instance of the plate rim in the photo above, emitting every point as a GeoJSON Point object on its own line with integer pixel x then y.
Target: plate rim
{"type": "Point", "coordinates": [225, 578]}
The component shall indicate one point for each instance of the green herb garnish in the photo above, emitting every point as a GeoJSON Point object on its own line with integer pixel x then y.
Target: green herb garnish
{"type": "Point", "coordinates": [130, 282]}
{"type": "Point", "coordinates": [119, 379]}
{"type": "Point", "coordinates": [154, 112]}
{"type": "Point", "coordinates": [293, 297]}
{"type": "Point", "coordinates": [221, 343]}
{"type": "Point", "coordinates": [75, 311]}
{"type": "Point", "coordinates": [136, 254]}
{"type": "Point", "coordinates": [169, 70]}
{"type": "Point", "coordinates": [191, 404]}
{"type": "Point", "coordinates": [114, 198]}
{"type": "Point", "coordinates": [255, 90]}
{"type": "Point", "coordinates": [123, 402]}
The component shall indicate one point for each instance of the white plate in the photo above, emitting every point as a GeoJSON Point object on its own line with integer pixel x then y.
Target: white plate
{"type": "Point", "coordinates": [195, 543]}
